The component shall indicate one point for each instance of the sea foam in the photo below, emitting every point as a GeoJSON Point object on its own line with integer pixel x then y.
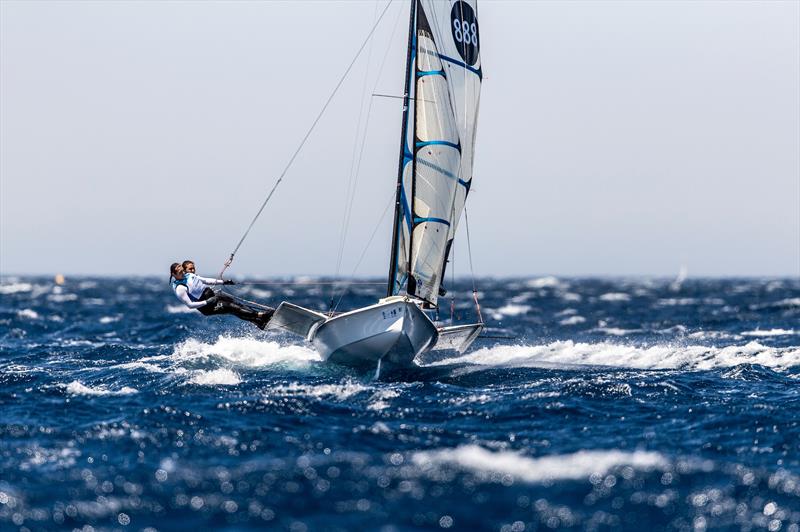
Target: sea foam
{"type": "Point", "coordinates": [570, 353]}
{"type": "Point", "coordinates": [770, 332]}
{"type": "Point", "coordinates": [15, 288]}
{"type": "Point", "coordinates": [486, 464]}
{"type": "Point", "coordinates": [241, 351]}
{"type": "Point", "coordinates": [222, 376]}
{"type": "Point", "coordinates": [78, 388]}
{"type": "Point", "coordinates": [341, 392]}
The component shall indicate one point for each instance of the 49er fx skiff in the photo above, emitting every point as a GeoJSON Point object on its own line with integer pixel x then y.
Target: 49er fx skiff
{"type": "Point", "coordinates": [441, 95]}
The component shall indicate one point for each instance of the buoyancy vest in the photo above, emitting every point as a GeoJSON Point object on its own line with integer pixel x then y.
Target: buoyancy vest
{"type": "Point", "coordinates": [194, 286]}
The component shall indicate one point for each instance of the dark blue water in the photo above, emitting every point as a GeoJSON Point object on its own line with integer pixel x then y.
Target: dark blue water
{"type": "Point", "coordinates": [615, 405]}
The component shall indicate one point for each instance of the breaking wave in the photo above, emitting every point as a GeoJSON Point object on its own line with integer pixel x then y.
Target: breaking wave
{"type": "Point", "coordinates": [78, 388]}
{"type": "Point", "coordinates": [770, 332]}
{"type": "Point", "coordinates": [486, 464]}
{"type": "Point", "coordinates": [222, 376]}
{"type": "Point", "coordinates": [15, 288]}
{"type": "Point", "coordinates": [238, 351]}
{"type": "Point", "coordinates": [570, 353]}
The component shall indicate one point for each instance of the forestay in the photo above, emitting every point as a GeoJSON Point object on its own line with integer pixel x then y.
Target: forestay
{"type": "Point", "coordinates": [443, 91]}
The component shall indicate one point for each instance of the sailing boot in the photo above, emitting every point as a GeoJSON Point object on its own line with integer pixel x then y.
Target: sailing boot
{"type": "Point", "coordinates": [263, 318]}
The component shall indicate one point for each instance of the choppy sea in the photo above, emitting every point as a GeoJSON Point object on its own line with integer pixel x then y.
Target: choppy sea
{"type": "Point", "coordinates": [592, 404]}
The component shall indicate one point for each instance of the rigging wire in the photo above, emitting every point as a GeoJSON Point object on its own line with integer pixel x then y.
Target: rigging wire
{"type": "Point", "coordinates": [363, 252]}
{"type": "Point", "coordinates": [471, 268]}
{"type": "Point", "coordinates": [350, 193]}
{"type": "Point", "coordinates": [355, 164]}
{"type": "Point", "coordinates": [305, 138]}
{"type": "Point", "coordinates": [355, 176]}
{"type": "Point", "coordinates": [453, 282]}
{"type": "Point", "coordinates": [307, 283]}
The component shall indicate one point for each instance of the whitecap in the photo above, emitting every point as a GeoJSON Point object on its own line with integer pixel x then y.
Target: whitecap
{"type": "Point", "coordinates": [487, 465]}
{"type": "Point", "coordinates": [140, 365]}
{"type": "Point", "coordinates": [677, 301]}
{"type": "Point", "coordinates": [572, 320]}
{"type": "Point", "coordinates": [62, 298]}
{"type": "Point", "coordinates": [15, 288]}
{"type": "Point", "coordinates": [480, 399]}
{"type": "Point", "coordinates": [616, 331]}
{"type": "Point", "coordinates": [510, 310]}
{"type": "Point", "coordinates": [543, 282]}
{"type": "Point", "coordinates": [259, 293]}
{"type": "Point", "coordinates": [770, 332]}
{"type": "Point", "coordinates": [380, 400]}
{"type": "Point", "coordinates": [783, 303]}
{"type": "Point", "coordinates": [615, 296]}
{"type": "Point", "coordinates": [78, 388]}
{"type": "Point", "coordinates": [570, 354]}
{"type": "Point", "coordinates": [339, 391]}
{"type": "Point", "coordinates": [222, 376]}
{"type": "Point", "coordinates": [73, 342]}
{"type": "Point", "coordinates": [711, 335]}
{"type": "Point", "coordinates": [109, 319]}
{"type": "Point", "coordinates": [246, 351]}
{"type": "Point", "coordinates": [28, 313]}
{"type": "Point", "coordinates": [521, 297]}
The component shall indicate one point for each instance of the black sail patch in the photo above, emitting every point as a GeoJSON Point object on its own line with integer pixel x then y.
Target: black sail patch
{"type": "Point", "coordinates": [464, 26]}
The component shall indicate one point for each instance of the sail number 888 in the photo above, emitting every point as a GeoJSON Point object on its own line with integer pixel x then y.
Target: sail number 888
{"type": "Point", "coordinates": [465, 29]}
{"type": "Point", "coordinates": [464, 32]}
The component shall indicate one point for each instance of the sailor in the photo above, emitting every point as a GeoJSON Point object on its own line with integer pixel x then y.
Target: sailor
{"type": "Point", "coordinates": [195, 292]}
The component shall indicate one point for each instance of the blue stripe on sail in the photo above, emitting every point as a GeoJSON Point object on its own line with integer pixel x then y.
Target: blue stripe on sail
{"type": "Point", "coordinates": [461, 64]}
{"type": "Point", "coordinates": [439, 169]}
{"type": "Point", "coordinates": [438, 143]}
{"type": "Point", "coordinates": [466, 184]}
{"type": "Point", "coordinates": [404, 204]}
{"type": "Point", "coordinates": [418, 220]}
{"type": "Point", "coordinates": [430, 73]}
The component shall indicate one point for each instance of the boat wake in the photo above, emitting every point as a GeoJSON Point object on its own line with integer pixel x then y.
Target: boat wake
{"type": "Point", "coordinates": [566, 354]}
{"type": "Point", "coordinates": [221, 362]}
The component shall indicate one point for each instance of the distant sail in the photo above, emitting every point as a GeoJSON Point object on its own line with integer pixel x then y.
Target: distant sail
{"type": "Point", "coordinates": [443, 90]}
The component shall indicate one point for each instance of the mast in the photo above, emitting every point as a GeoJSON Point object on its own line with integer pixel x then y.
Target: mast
{"type": "Point", "coordinates": [404, 132]}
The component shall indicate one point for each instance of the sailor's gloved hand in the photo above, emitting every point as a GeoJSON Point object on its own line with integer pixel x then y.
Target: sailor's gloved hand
{"type": "Point", "coordinates": [211, 301]}
{"type": "Point", "coordinates": [228, 281]}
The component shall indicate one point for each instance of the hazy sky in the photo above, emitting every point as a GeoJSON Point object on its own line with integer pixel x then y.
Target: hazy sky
{"type": "Point", "coordinates": [614, 138]}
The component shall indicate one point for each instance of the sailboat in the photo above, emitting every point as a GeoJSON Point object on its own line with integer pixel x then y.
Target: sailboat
{"type": "Point", "coordinates": [440, 107]}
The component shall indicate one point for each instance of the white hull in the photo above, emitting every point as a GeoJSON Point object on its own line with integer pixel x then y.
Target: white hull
{"type": "Point", "coordinates": [390, 333]}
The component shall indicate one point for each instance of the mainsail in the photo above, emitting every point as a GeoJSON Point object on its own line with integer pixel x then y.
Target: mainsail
{"type": "Point", "coordinates": [441, 106]}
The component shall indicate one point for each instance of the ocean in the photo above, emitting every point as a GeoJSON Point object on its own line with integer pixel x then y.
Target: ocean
{"type": "Point", "coordinates": [590, 404]}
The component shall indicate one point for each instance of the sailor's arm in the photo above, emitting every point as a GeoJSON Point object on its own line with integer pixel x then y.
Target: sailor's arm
{"type": "Point", "coordinates": [183, 295]}
{"type": "Point", "coordinates": [208, 280]}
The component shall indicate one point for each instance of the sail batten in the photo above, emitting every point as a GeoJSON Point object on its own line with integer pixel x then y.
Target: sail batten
{"type": "Point", "coordinates": [443, 87]}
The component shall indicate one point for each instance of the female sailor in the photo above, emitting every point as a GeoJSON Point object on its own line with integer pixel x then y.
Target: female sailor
{"type": "Point", "coordinates": [195, 292]}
